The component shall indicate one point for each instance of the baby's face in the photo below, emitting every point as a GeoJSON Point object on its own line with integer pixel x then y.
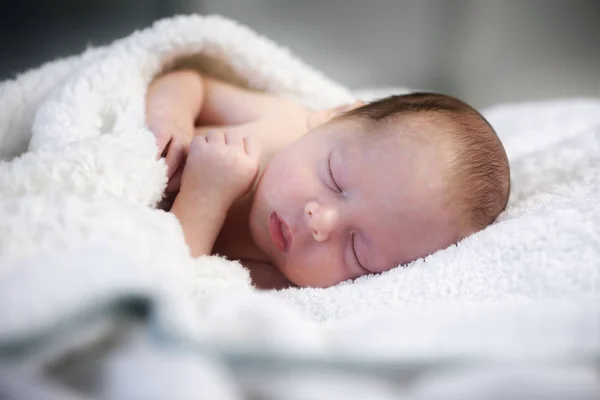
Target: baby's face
{"type": "Point", "coordinates": [339, 203]}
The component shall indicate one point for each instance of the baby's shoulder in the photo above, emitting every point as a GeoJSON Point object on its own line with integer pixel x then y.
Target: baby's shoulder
{"type": "Point", "coordinates": [277, 106]}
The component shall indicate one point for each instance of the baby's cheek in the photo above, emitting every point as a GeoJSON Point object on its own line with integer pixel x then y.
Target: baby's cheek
{"type": "Point", "coordinates": [327, 270]}
{"type": "Point", "coordinates": [292, 184]}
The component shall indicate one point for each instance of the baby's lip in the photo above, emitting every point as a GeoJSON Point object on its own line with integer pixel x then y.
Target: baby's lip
{"type": "Point", "coordinates": [280, 232]}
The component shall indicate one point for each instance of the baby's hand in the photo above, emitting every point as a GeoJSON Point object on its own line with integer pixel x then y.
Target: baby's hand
{"type": "Point", "coordinates": [220, 166]}
{"type": "Point", "coordinates": [173, 135]}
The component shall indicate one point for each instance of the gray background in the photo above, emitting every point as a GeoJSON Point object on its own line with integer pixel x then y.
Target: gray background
{"type": "Point", "coordinates": [484, 51]}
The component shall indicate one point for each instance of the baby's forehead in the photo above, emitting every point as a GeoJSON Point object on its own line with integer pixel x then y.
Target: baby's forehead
{"type": "Point", "coordinates": [407, 168]}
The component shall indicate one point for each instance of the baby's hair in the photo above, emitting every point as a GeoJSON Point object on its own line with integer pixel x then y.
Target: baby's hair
{"type": "Point", "coordinates": [480, 175]}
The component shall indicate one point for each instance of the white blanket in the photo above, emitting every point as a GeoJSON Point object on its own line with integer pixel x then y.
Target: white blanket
{"type": "Point", "coordinates": [78, 180]}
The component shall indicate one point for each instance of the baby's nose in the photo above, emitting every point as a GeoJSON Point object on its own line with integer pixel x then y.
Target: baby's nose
{"type": "Point", "coordinates": [321, 220]}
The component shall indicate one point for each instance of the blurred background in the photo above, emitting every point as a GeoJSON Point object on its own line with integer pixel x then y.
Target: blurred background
{"type": "Point", "coordinates": [483, 51]}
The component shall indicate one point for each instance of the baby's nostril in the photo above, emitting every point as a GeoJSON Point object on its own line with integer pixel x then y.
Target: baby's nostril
{"type": "Point", "coordinates": [316, 235]}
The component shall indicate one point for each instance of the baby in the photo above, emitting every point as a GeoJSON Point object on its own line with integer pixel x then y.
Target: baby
{"type": "Point", "coordinates": [312, 198]}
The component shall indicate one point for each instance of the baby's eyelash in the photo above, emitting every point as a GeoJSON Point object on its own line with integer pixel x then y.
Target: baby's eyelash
{"type": "Point", "coordinates": [354, 252]}
{"type": "Point", "coordinates": [337, 187]}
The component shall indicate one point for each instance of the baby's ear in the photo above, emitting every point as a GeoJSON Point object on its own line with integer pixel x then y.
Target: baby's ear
{"type": "Point", "coordinates": [319, 117]}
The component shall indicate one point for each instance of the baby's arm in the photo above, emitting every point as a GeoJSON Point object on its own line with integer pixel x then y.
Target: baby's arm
{"type": "Point", "coordinates": [220, 168]}
{"type": "Point", "coordinates": [179, 100]}
{"type": "Point", "coordinates": [172, 105]}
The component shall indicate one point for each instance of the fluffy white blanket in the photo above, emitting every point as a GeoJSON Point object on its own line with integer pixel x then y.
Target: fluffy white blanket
{"type": "Point", "coordinates": [78, 181]}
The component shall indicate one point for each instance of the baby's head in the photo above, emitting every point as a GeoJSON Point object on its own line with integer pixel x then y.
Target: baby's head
{"type": "Point", "coordinates": [377, 186]}
{"type": "Point", "coordinates": [477, 171]}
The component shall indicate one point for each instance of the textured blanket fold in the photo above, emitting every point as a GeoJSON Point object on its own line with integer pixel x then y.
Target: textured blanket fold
{"type": "Point", "coordinates": [79, 179]}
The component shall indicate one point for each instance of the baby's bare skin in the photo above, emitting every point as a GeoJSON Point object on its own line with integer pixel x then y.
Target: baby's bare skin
{"type": "Point", "coordinates": [325, 201]}
{"type": "Point", "coordinates": [179, 110]}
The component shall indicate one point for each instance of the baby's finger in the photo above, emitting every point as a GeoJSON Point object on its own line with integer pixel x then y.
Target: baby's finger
{"type": "Point", "coordinates": [162, 142]}
{"type": "Point", "coordinates": [175, 181]}
{"type": "Point", "coordinates": [176, 155]}
{"type": "Point", "coordinates": [234, 139]}
{"type": "Point", "coordinates": [251, 147]}
{"type": "Point", "coordinates": [215, 137]}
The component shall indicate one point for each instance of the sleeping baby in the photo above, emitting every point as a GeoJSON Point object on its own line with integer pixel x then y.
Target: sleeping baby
{"type": "Point", "coordinates": [316, 197]}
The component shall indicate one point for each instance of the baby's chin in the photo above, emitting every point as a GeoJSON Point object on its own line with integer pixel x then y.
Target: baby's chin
{"type": "Point", "coordinates": [311, 281]}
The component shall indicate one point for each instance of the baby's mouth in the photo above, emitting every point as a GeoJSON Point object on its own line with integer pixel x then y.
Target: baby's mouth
{"type": "Point", "coordinates": [280, 232]}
